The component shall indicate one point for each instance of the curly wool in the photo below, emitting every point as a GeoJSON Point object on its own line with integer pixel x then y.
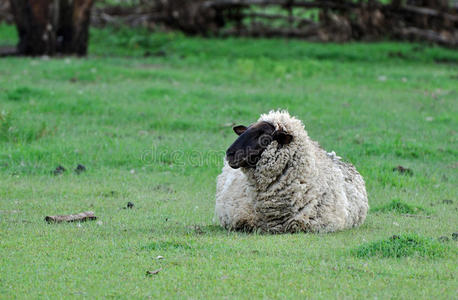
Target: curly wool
{"type": "Point", "coordinates": [294, 187]}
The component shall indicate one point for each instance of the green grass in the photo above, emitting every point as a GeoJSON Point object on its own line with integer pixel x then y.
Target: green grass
{"type": "Point", "coordinates": [153, 130]}
{"type": "Point", "coordinates": [398, 206]}
{"type": "Point", "coordinates": [401, 246]}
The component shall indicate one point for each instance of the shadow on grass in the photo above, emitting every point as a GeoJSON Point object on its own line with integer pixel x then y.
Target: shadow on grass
{"type": "Point", "coordinates": [25, 93]}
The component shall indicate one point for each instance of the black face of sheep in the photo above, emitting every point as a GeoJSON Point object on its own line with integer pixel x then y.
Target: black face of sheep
{"type": "Point", "coordinates": [252, 141]}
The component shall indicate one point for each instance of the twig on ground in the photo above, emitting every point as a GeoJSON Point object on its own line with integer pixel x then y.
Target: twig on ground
{"type": "Point", "coordinates": [81, 217]}
{"type": "Point", "coordinates": [154, 272]}
{"type": "Point", "coordinates": [415, 216]}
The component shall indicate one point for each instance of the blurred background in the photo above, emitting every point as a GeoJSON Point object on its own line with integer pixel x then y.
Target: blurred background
{"type": "Point", "coordinates": [48, 27]}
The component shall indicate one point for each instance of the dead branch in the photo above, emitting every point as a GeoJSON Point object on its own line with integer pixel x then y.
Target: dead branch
{"type": "Point", "coordinates": [428, 12]}
{"type": "Point", "coordinates": [416, 216]}
{"type": "Point", "coordinates": [153, 272]}
{"type": "Point", "coordinates": [8, 51]}
{"type": "Point", "coordinates": [417, 34]}
{"type": "Point", "coordinates": [273, 32]}
{"type": "Point", "coordinates": [277, 17]}
{"type": "Point", "coordinates": [285, 3]}
{"type": "Point", "coordinates": [81, 217]}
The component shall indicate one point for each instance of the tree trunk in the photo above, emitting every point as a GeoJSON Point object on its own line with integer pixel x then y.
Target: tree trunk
{"type": "Point", "coordinates": [49, 27]}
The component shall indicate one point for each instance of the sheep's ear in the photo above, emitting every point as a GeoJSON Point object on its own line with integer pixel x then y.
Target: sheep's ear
{"type": "Point", "coordinates": [282, 137]}
{"type": "Point", "coordinates": [239, 129]}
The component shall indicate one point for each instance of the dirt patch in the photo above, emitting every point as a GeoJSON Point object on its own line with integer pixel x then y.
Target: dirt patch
{"type": "Point", "coordinates": [403, 170]}
{"type": "Point", "coordinates": [59, 170]}
{"type": "Point", "coordinates": [80, 169]}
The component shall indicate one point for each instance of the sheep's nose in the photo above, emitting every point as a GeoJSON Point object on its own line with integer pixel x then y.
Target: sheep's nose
{"type": "Point", "coordinates": [230, 153]}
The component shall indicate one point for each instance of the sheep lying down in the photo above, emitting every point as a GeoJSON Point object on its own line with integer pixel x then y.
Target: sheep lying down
{"type": "Point", "coordinates": [276, 179]}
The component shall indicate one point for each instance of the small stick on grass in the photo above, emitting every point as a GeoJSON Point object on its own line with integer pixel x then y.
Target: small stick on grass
{"type": "Point", "coordinates": [154, 272]}
{"type": "Point", "coordinates": [81, 217]}
{"type": "Point", "coordinates": [416, 216]}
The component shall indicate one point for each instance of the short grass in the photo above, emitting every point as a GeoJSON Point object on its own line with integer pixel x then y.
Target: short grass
{"type": "Point", "coordinates": [402, 246]}
{"type": "Point", "coordinates": [149, 115]}
{"type": "Point", "coordinates": [398, 206]}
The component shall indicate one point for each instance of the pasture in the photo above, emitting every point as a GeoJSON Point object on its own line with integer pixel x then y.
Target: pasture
{"type": "Point", "coordinates": [150, 117]}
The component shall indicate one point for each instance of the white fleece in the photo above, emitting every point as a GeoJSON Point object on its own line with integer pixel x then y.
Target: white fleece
{"type": "Point", "coordinates": [294, 187]}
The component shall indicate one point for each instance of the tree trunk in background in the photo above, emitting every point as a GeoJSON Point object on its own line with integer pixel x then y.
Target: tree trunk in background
{"type": "Point", "coordinates": [49, 27]}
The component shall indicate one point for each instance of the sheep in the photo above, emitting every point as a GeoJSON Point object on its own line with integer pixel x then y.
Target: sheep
{"type": "Point", "coordinates": [275, 179]}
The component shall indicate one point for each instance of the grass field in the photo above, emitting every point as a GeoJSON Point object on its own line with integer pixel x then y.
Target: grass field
{"type": "Point", "coordinates": [150, 116]}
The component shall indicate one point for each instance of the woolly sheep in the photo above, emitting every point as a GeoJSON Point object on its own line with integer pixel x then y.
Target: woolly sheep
{"type": "Point", "coordinates": [276, 179]}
